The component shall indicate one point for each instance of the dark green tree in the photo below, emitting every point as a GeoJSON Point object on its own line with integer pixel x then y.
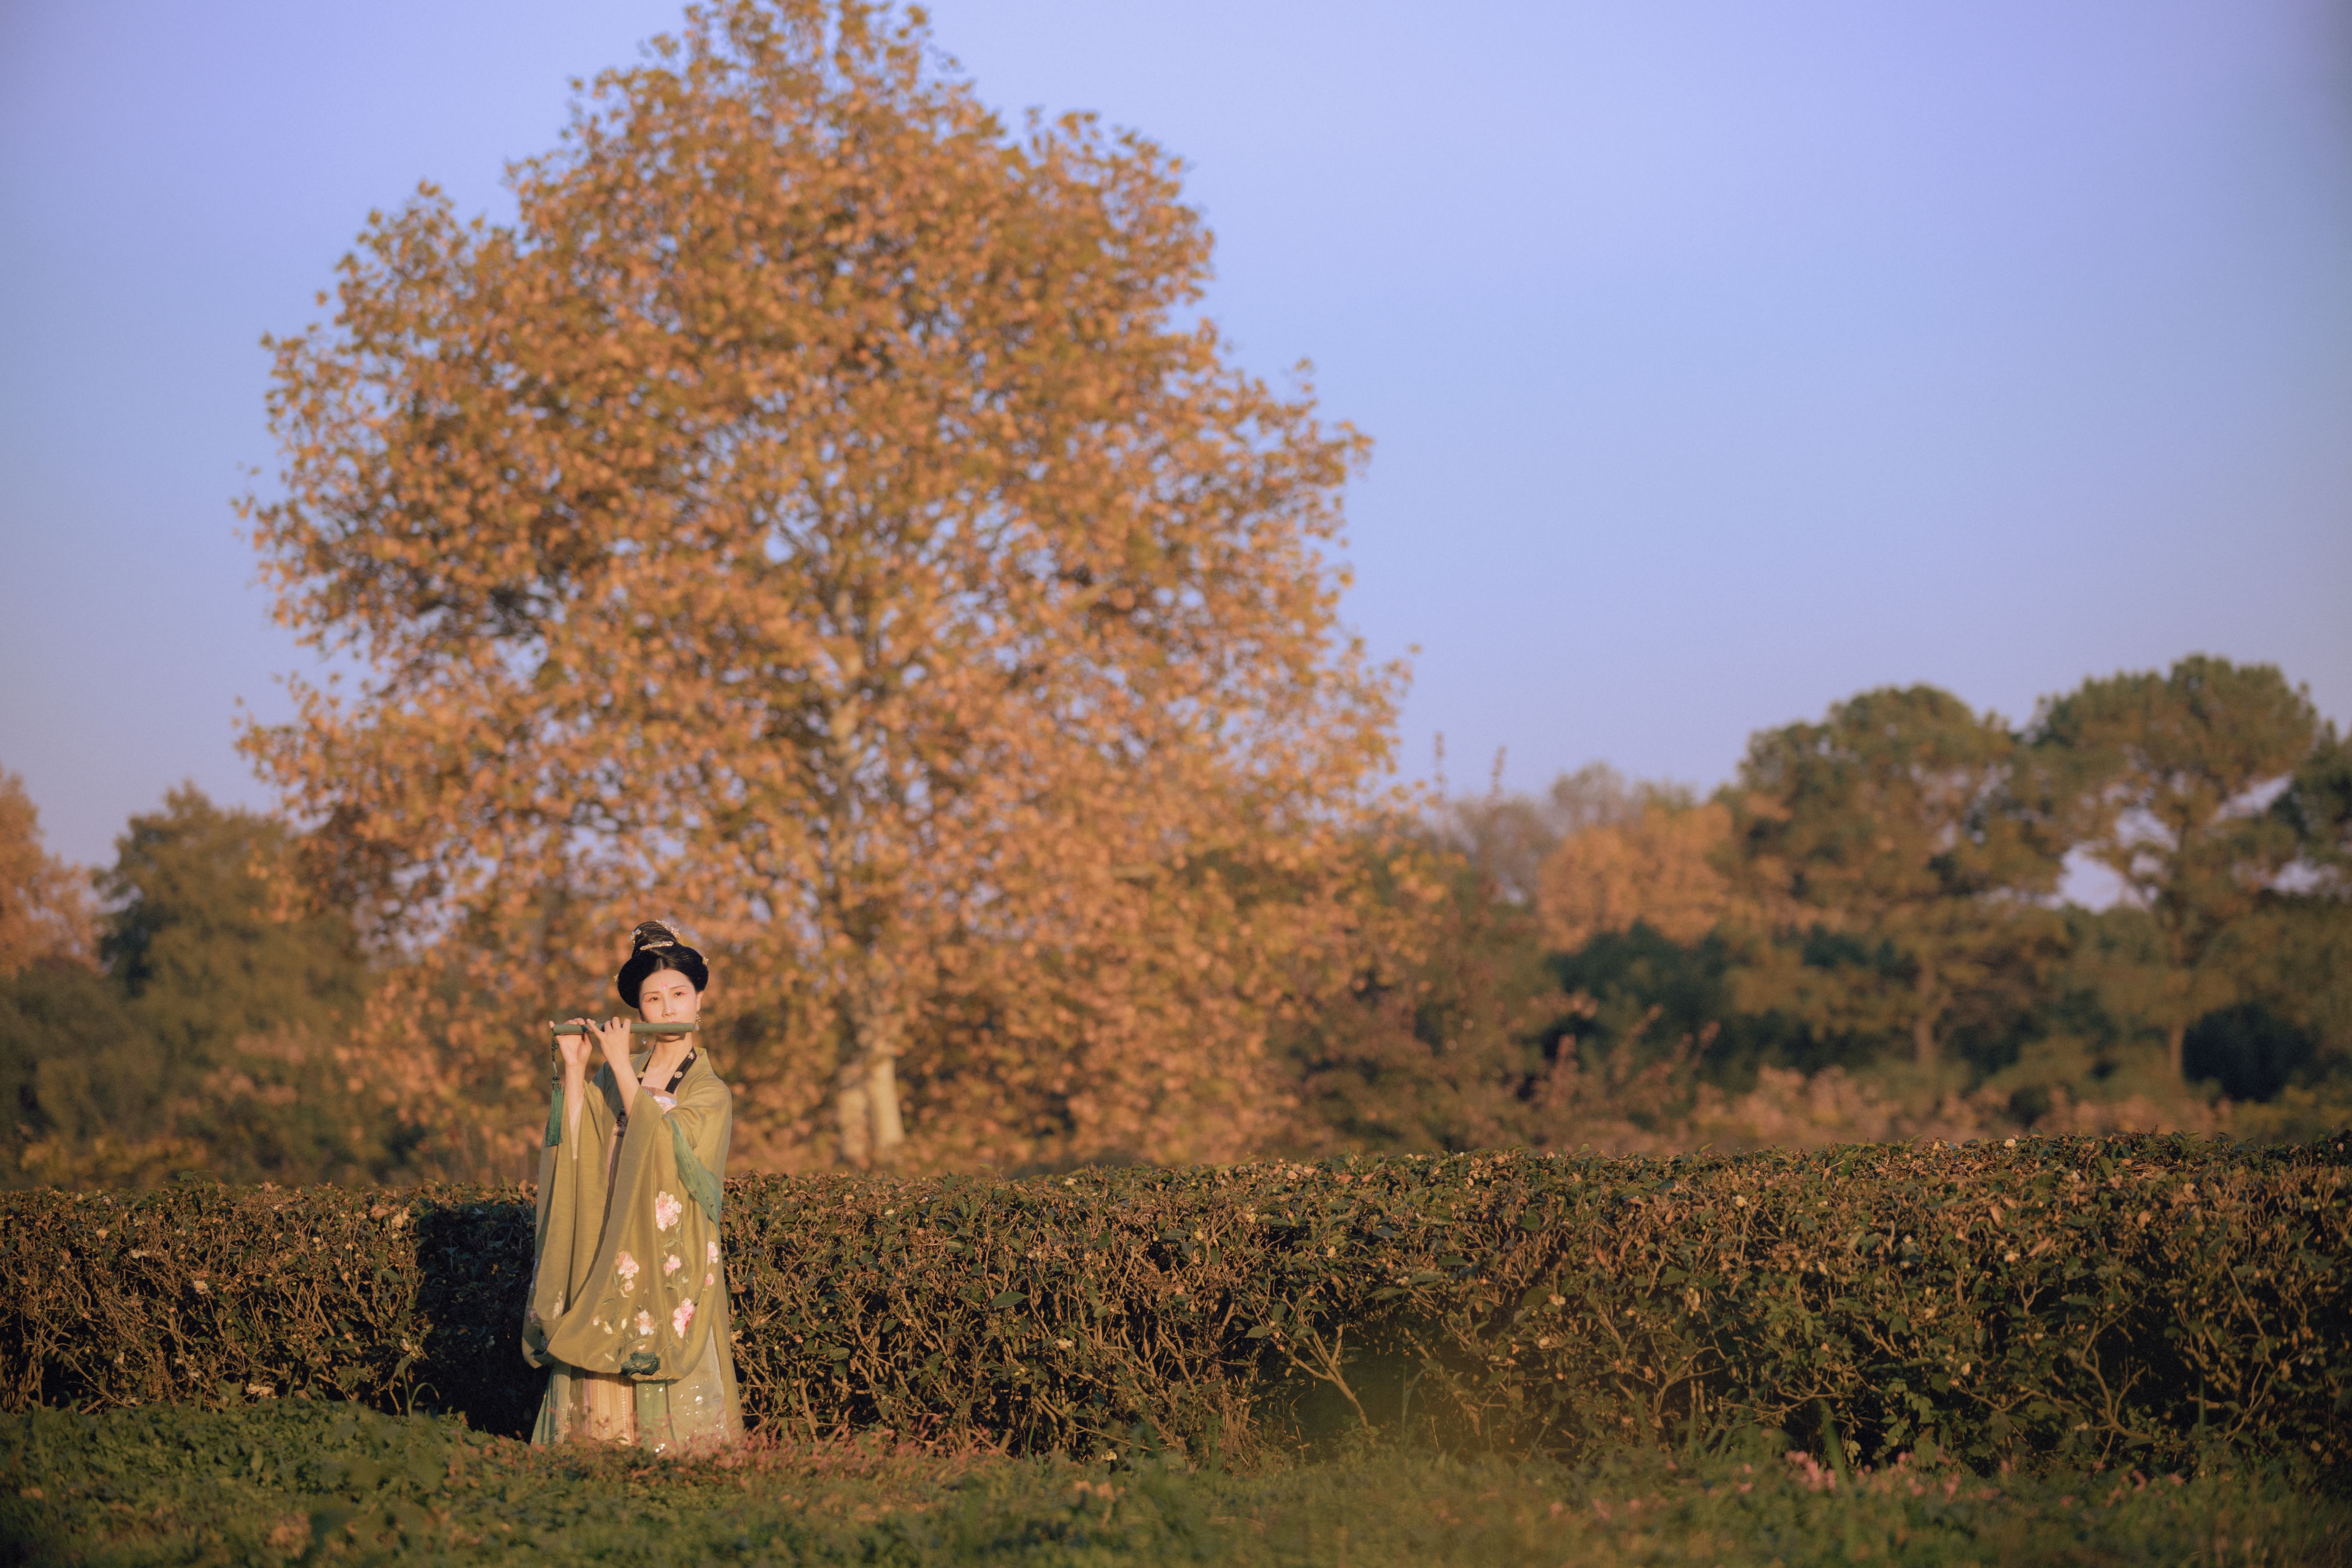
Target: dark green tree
{"type": "Point", "coordinates": [70, 1052]}
{"type": "Point", "coordinates": [215, 1035]}
{"type": "Point", "coordinates": [2319, 808]}
{"type": "Point", "coordinates": [212, 938]}
{"type": "Point", "coordinates": [88, 1100]}
{"type": "Point", "coordinates": [2174, 783]}
{"type": "Point", "coordinates": [1895, 888]}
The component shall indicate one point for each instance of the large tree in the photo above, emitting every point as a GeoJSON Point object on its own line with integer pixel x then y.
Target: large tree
{"type": "Point", "coordinates": [820, 515]}
{"type": "Point", "coordinates": [1886, 850]}
{"type": "Point", "coordinates": [2199, 788]}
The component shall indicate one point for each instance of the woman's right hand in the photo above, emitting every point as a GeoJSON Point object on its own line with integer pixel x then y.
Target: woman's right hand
{"type": "Point", "coordinates": [614, 1037]}
{"type": "Point", "coordinates": [577, 1049]}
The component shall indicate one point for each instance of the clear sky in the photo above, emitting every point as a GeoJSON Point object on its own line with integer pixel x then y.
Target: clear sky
{"type": "Point", "coordinates": [1723, 359]}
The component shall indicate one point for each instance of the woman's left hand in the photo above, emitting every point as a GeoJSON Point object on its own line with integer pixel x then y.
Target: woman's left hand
{"type": "Point", "coordinates": [613, 1035]}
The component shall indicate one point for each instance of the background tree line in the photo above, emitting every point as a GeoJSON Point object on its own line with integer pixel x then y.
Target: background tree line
{"type": "Point", "coordinates": [1860, 936]}
{"type": "Point", "coordinates": [1863, 934]}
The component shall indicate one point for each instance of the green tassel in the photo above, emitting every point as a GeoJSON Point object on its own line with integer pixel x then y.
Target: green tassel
{"type": "Point", "coordinates": [555, 1118]}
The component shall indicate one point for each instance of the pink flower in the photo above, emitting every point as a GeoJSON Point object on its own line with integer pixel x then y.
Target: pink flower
{"type": "Point", "coordinates": [679, 1318]}
{"type": "Point", "coordinates": [708, 1280]}
{"type": "Point", "coordinates": [666, 1208]}
{"type": "Point", "coordinates": [644, 1324]}
{"type": "Point", "coordinates": [710, 1252]}
{"type": "Point", "coordinates": [671, 1265]}
{"type": "Point", "coordinates": [626, 1268]}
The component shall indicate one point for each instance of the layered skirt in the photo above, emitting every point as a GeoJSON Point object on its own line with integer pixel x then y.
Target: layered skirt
{"type": "Point", "coordinates": [697, 1413]}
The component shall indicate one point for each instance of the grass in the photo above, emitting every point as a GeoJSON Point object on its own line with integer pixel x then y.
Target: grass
{"type": "Point", "coordinates": [291, 1482]}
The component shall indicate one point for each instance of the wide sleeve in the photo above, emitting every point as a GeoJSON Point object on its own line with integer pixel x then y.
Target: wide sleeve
{"type": "Point", "coordinates": [572, 1204]}
{"type": "Point", "coordinates": [701, 1125]}
{"type": "Point", "coordinates": [653, 1283]}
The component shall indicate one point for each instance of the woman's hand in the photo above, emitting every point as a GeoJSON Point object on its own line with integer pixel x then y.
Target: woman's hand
{"type": "Point", "coordinates": [613, 1035]}
{"type": "Point", "coordinates": [576, 1049]}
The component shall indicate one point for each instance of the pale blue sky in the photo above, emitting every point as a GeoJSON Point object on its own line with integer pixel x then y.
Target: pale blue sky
{"type": "Point", "coordinates": [1724, 359]}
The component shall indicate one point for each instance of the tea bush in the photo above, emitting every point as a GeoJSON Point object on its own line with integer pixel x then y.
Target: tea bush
{"type": "Point", "coordinates": [2053, 1302]}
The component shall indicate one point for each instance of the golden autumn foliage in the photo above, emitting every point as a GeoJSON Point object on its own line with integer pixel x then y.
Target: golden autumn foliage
{"type": "Point", "coordinates": [819, 519]}
{"type": "Point", "coordinates": [45, 904]}
{"type": "Point", "coordinates": [1659, 868]}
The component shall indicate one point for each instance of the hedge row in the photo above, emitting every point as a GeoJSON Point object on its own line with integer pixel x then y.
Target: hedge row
{"type": "Point", "coordinates": [2053, 1300]}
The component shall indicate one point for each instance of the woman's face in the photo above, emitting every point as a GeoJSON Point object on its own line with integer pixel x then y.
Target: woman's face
{"type": "Point", "coordinates": [667, 997]}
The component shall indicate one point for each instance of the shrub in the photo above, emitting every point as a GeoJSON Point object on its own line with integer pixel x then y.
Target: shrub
{"type": "Point", "coordinates": [2055, 1302]}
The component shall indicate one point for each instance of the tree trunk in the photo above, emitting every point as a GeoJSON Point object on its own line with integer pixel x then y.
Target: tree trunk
{"type": "Point", "coordinates": [854, 1113]}
{"type": "Point", "coordinates": [865, 1110]}
{"type": "Point", "coordinates": [1923, 1022]}
{"type": "Point", "coordinates": [1923, 1040]}
{"type": "Point", "coordinates": [2175, 1043]}
{"type": "Point", "coordinates": [882, 1103]}
{"type": "Point", "coordinates": [865, 1092]}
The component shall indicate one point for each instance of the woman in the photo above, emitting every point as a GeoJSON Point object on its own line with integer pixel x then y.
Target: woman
{"type": "Point", "coordinates": [628, 1301]}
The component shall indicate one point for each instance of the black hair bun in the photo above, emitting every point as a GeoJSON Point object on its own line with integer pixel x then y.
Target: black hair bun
{"type": "Point", "coordinates": [651, 933]}
{"type": "Point", "coordinates": [654, 947]}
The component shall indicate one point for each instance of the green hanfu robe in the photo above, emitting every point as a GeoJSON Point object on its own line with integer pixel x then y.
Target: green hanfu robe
{"type": "Point", "coordinates": [628, 1297]}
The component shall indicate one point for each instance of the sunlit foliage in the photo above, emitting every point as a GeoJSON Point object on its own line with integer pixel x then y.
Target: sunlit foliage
{"type": "Point", "coordinates": [821, 517]}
